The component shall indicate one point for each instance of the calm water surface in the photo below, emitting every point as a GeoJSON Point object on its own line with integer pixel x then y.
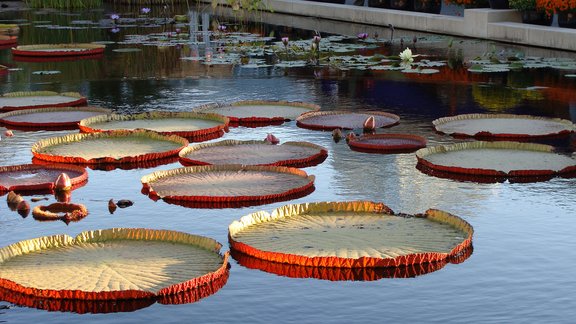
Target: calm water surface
{"type": "Point", "coordinates": [521, 269]}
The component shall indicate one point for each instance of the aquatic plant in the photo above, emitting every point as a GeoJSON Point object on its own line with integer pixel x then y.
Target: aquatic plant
{"type": "Point", "coordinates": [60, 4]}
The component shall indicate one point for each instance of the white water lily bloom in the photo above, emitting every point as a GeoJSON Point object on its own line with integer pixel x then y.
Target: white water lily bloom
{"type": "Point", "coordinates": [406, 55]}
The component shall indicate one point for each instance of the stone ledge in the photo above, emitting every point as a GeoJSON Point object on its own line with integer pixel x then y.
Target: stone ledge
{"type": "Point", "coordinates": [497, 25]}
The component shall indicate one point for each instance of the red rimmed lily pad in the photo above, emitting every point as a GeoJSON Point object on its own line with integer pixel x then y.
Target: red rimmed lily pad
{"type": "Point", "coordinates": [292, 154]}
{"type": "Point", "coordinates": [519, 162]}
{"type": "Point", "coordinates": [387, 143]}
{"type": "Point", "coordinates": [330, 120]}
{"type": "Point", "coordinates": [54, 118]}
{"type": "Point", "coordinates": [254, 113]}
{"type": "Point", "coordinates": [33, 178]}
{"type": "Point", "coordinates": [355, 234]}
{"type": "Point", "coordinates": [6, 40]}
{"type": "Point", "coordinates": [223, 186]}
{"type": "Point", "coordinates": [114, 147]}
{"type": "Point", "coordinates": [113, 264]}
{"type": "Point", "coordinates": [196, 127]}
{"type": "Point", "coordinates": [52, 50]}
{"type": "Point", "coordinates": [503, 126]}
{"type": "Point", "coordinates": [39, 99]}
{"type": "Point", "coordinates": [345, 274]}
{"type": "Point", "coordinates": [81, 306]}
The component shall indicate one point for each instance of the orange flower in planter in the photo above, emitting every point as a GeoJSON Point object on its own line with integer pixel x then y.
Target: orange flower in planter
{"type": "Point", "coordinates": [552, 6]}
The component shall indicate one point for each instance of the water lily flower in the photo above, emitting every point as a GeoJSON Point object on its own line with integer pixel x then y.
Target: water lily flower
{"type": "Point", "coordinates": [114, 30]}
{"type": "Point", "coordinates": [222, 28]}
{"type": "Point", "coordinates": [115, 17]}
{"type": "Point", "coordinates": [317, 39]}
{"type": "Point", "coordinates": [362, 36]}
{"type": "Point", "coordinates": [407, 56]}
{"type": "Point", "coordinates": [285, 41]}
{"type": "Point", "coordinates": [145, 10]}
{"type": "Point", "coordinates": [177, 30]}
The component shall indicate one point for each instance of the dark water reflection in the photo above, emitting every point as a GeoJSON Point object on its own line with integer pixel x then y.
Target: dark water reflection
{"type": "Point", "coordinates": [522, 266]}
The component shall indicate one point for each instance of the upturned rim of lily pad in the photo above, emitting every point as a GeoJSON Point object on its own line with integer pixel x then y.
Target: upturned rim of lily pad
{"type": "Point", "coordinates": [341, 209]}
{"type": "Point", "coordinates": [441, 125]}
{"type": "Point", "coordinates": [90, 125]}
{"type": "Point", "coordinates": [167, 294]}
{"type": "Point", "coordinates": [76, 99]}
{"type": "Point", "coordinates": [56, 124]}
{"type": "Point", "coordinates": [231, 145]}
{"type": "Point", "coordinates": [78, 177]}
{"type": "Point", "coordinates": [52, 50]}
{"type": "Point", "coordinates": [39, 148]}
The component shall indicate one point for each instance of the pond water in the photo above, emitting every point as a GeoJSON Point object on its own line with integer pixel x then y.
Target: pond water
{"type": "Point", "coordinates": [521, 268]}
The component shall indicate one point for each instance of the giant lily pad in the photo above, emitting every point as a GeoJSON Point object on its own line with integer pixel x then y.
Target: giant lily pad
{"type": "Point", "coordinates": [50, 118]}
{"type": "Point", "coordinates": [497, 160]}
{"type": "Point", "coordinates": [259, 112]}
{"type": "Point", "coordinates": [227, 185]}
{"type": "Point", "coordinates": [355, 234]}
{"type": "Point", "coordinates": [38, 178]}
{"type": "Point", "coordinates": [114, 147]}
{"type": "Point", "coordinates": [329, 120]}
{"type": "Point", "coordinates": [51, 50]}
{"type": "Point", "coordinates": [39, 99]}
{"type": "Point", "coordinates": [111, 264]}
{"type": "Point", "coordinates": [503, 126]}
{"type": "Point", "coordinates": [196, 127]}
{"type": "Point", "coordinates": [294, 154]}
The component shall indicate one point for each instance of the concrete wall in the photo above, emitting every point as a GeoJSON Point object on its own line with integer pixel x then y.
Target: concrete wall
{"type": "Point", "coordinates": [498, 25]}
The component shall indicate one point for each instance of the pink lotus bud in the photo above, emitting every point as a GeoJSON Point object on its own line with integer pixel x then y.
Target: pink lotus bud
{"type": "Point", "coordinates": [351, 136]}
{"type": "Point", "coordinates": [8, 133]}
{"type": "Point", "coordinates": [272, 139]}
{"type": "Point", "coordinates": [63, 183]}
{"type": "Point", "coordinates": [369, 124]}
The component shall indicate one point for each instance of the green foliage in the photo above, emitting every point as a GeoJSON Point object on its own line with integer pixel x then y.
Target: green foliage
{"type": "Point", "coordinates": [522, 4]}
{"type": "Point", "coordinates": [62, 4]}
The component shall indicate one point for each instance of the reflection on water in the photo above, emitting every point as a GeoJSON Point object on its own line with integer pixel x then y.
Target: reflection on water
{"type": "Point", "coordinates": [524, 232]}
